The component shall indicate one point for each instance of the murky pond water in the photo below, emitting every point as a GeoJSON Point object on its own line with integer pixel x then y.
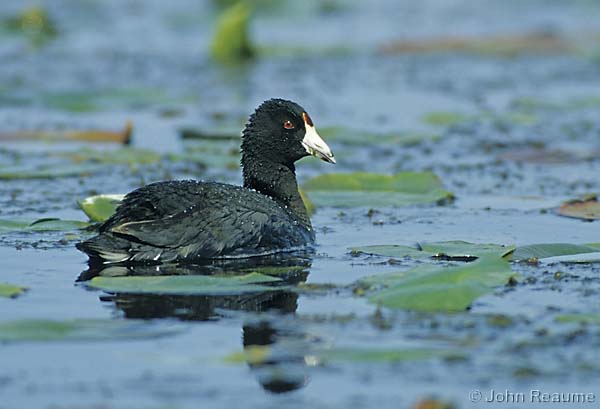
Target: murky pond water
{"type": "Point", "coordinates": [512, 135]}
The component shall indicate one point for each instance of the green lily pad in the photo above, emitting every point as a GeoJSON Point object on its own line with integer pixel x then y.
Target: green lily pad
{"type": "Point", "coordinates": [48, 172]}
{"type": "Point", "coordinates": [276, 270]}
{"type": "Point", "coordinates": [98, 100]}
{"type": "Point", "coordinates": [32, 22]}
{"type": "Point", "coordinates": [459, 249]}
{"type": "Point", "coordinates": [231, 42]}
{"type": "Point", "coordinates": [444, 118]}
{"type": "Point", "coordinates": [358, 137]}
{"type": "Point", "coordinates": [573, 258]}
{"type": "Point", "coordinates": [375, 190]}
{"type": "Point", "coordinates": [101, 207]}
{"type": "Point", "coordinates": [434, 288]}
{"type": "Point", "coordinates": [391, 250]}
{"type": "Point", "coordinates": [590, 318]}
{"type": "Point", "coordinates": [10, 290]}
{"type": "Point", "coordinates": [259, 354]}
{"type": "Point", "coordinates": [48, 224]}
{"type": "Point", "coordinates": [191, 284]}
{"type": "Point", "coordinates": [450, 249]}
{"type": "Point", "coordinates": [129, 156]}
{"type": "Point", "coordinates": [546, 250]}
{"type": "Point", "coordinates": [345, 354]}
{"type": "Point", "coordinates": [78, 330]}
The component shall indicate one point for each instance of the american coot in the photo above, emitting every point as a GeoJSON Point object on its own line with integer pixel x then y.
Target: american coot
{"type": "Point", "coordinates": [188, 220]}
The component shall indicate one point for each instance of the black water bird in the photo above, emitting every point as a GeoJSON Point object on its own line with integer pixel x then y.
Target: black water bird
{"type": "Point", "coordinates": [188, 220]}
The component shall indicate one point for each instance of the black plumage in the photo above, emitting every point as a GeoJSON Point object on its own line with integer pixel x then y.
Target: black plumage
{"type": "Point", "coordinates": [191, 220]}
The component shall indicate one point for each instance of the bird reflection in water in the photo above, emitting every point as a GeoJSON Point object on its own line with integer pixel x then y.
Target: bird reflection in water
{"type": "Point", "coordinates": [281, 373]}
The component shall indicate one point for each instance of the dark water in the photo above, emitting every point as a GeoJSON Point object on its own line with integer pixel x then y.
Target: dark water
{"type": "Point", "coordinates": [510, 105]}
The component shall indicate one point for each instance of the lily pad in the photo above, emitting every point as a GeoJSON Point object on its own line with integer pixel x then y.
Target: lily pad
{"type": "Point", "coordinates": [182, 285]}
{"type": "Point", "coordinates": [259, 354]}
{"type": "Point", "coordinates": [460, 249]}
{"type": "Point", "coordinates": [91, 135]}
{"type": "Point", "coordinates": [110, 99]}
{"type": "Point", "coordinates": [449, 249]}
{"type": "Point", "coordinates": [48, 172]}
{"type": "Point", "coordinates": [101, 207]}
{"type": "Point", "coordinates": [586, 208]}
{"type": "Point", "coordinates": [346, 354]}
{"type": "Point", "coordinates": [573, 258]}
{"type": "Point", "coordinates": [231, 42]}
{"type": "Point", "coordinates": [546, 250]}
{"type": "Point", "coordinates": [375, 190]}
{"type": "Point", "coordinates": [10, 290]}
{"type": "Point", "coordinates": [435, 288]}
{"type": "Point", "coordinates": [32, 22]}
{"type": "Point", "coordinates": [126, 155]}
{"type": "Point", "coordinates": [358, 137]}
{"type": "Point", "coordinates": [48, 224]}
{"type": "Point", "coordinates": [391, 250]}
{"type": "Point", "coordinates": [78, 330]}
{"type": "Point", "coordinates": [590, 318]}
{"type": "Point", "coordinates": [444, 118]}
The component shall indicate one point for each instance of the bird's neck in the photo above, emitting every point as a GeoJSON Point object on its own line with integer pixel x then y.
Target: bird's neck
{"type": "Point", "coordinates": [277, 181]}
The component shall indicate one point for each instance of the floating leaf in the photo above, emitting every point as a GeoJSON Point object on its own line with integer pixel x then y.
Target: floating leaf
{"type": "Point", "coordinates": [359, 137]}
{"type": "Point", "coordinates": [197, 285]}
{"type": "Point", "coordinates": [48, 224]}
{"type": "Point", "coordinates": [211, 153]}
{"type": "Point", "coordinates": [34, 23]}
{"type": "Point", "coordinates": [545, 155]}
{"type": "Point", "coordinates": [10, 290]}
{"type": "Point", "coordinates": [593, 319]}
{"type": "Point", "coordinates": [573, 258]}
{"type": "Point", "coordinates": [459, 249]}
{"type": "Point", "coordinates": [435, 288]}
{"type": "Point", "coordinates": [498, 45]}
{"type": "Point", "coordinates": [587, 208]}
{"type": "Point", "coordinates": [48, 172]}
{"type": "Point", "coordinates": [546, 250]}
{"type": "Point", "coordinates": [123, 137]}
{"type": "Point", "coordinates": [125, 155]}
{"type": "Point", "coordinates": [371, 189]}
{"type": "Point", "coordinates": [78, 330]}
{"type": "Point", "coordinates": [101, 207]}
{"type": "Point", "coordinates": [443, 118]}
{"type": "Point", "coordinates": [231, 42]}
{"type": "Point", "coordinates": [259, 354]}
{"type": "Point", "coordinates": [91, 135]}
{"type": "Point", "coordinates": [252, 354]}
{"type": "Point", "coordinates": [118, 98]}
{"type": "Point", "coordinates": [346, 354]}
{"type": "Point", "coordinates": [276, 270]}
{"type": "Point", "coordinates": [449, 249]}
{"type": "Point", "coordinates": [391, 250]}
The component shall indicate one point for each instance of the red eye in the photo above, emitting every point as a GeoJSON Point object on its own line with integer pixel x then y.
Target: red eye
{"type": "Point", "coordinates": [288, 125]}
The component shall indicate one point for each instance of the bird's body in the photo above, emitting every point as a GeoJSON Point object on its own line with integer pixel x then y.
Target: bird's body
{"type": "Point", "coordinates": [179, 220]}
{"type": "Point", "coordinates": [188, 220]}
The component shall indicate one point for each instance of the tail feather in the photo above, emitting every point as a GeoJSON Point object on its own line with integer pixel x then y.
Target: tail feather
{"type": "Point", "coordinates": [111, 249]}
{"type": "Point", "coordinates": [107, 247]}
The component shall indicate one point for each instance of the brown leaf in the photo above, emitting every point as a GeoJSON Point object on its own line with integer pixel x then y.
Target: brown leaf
{"type": "Point", "coordinates": [586, 208]}
{"type": "Point", "coordinates": [92, 135]}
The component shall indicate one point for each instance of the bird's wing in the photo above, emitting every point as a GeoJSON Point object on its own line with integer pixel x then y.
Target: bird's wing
{"type": "Point", "coordinates": [189, 221]}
